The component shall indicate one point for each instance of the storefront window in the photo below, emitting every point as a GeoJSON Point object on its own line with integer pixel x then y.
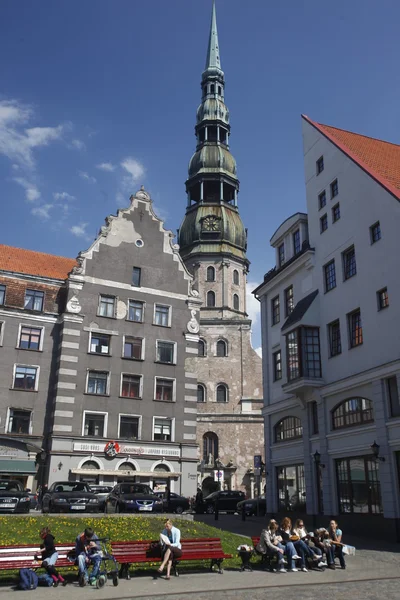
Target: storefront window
{"type": "Point", "coordinates": [359, 489]}
{"type": "Point", "coordinates": [291, 488]}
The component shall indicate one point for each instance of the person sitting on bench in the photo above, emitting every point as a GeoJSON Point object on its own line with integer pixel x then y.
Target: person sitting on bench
{"type": "Point", "coordinates": [271, 543]}
{"type": "Point", "coordinates": [170, 540]}
{"type": "Point", "coordinates": [87, 552]}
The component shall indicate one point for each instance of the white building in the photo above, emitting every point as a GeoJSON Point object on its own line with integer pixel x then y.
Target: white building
{"type": "Point", "coordinates": [331, 345]}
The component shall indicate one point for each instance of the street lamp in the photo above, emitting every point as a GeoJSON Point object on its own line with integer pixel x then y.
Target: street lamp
{"type": "Point", "coordinates": [375, 451]}
{"type": "Point", "coordinates": [317, 459]}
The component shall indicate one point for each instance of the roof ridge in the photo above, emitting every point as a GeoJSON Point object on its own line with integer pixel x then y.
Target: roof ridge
{"type": "Point", "coordinates": [36, 252]}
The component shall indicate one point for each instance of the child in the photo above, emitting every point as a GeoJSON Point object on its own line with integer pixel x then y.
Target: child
{"type": "Point", "coordinates": [50, 556]}
{"type": "Point", "coordinates": [87, 552]}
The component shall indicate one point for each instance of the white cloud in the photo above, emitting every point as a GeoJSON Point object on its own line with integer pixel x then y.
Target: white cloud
{"type": "Point", "coordinates": [252, 304]}
{"type": "Point", "coordinates": [79, 230]}
{"type": "Point", "coordinates": [42, 212]}
{"type": "Point", "coordinates": [18, 142]}
{"type": "Point", "coordinates": [78, 145]}
{"type": "Point", "coordinates": [135, 169]}
{"type": "Point", "coordinates": [87, 177]}
{"type": "Point", "coordinates": [63, 196]}
{"type": "Point", "coordinates": [31, 191]}
{"type": "Point", "coordinates": [259, 351]}
{"type": "Point", "coordinates": [106, 166]}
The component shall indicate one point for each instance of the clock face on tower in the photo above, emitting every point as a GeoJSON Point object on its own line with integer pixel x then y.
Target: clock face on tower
{"type": "Point", "coordinates": [211, 223]}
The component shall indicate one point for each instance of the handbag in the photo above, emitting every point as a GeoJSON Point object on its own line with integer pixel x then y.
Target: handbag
{"type": "Point", "coordinates": [294, 538]}
{"type": "Point", "coordinates": [154, 550]}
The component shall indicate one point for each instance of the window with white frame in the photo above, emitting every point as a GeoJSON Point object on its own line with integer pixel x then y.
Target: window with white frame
{"type": "Point", "coordinates": [133, 347]}
{"type": "Point", "coordinates": [222, 393]}
{"type": "Point", "coordinates": [94, 424]}
{"type": "Point", "coordinates": [1, 332]}
{"type": "Point", "coordinates": [136, 311]}
{"type": "Point", "coordinates": [162, 315]}
{"type": "Point", "coordinates": [34, 300]}
{"type": "Point", "coordinates": [2, 294]}
{"type": "Point", "coordinates": [30, 338]}
{"type": "Point", "coordinates": [162, 429]}
{"type": "Point", "coordinates": [129, 427]}
{"type": "Point", "coordinates": [107, 306]}
{"type": "Point", "coordinates": [165, 352]}
{"type": "Point", "coordinates": [100, 343]}
{"type": "Point", "coordinates": [131, 386]}
{"type": "Point", "coordinates": [210, 274]}
{"type": "Point", "coordinates": [164, 389]}
{"type": "Point", "coordinates": [26, 378]}
{"type": "Point", "coordinates": [97, 382]}
{"type": "Point", "coordinates": [19, 421]}
{"type": "Point", "coordinates": [201, 393]}
{"type": "Point", "coordinates": [202, 348]}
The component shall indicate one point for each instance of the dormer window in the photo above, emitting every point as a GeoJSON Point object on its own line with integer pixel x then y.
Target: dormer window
{"type": "Point", "coordinates": [281, 255]}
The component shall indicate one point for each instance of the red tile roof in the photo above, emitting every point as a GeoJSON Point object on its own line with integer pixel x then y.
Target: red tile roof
{"type": "Point", "coordinates": [379, 159]}
{"type": "Point", "coordinates": [29, 262]}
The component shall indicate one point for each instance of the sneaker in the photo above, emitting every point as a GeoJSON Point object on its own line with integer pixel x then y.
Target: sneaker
{"type": "Point", "coordinates": [296, 557]}
{"type": "Point", "coordinates": [294, 570]}
{"type": "Point", "coordinates": [322, 563]}
{"type": "Point", "coordinates": [282, 570]}
{"type": "Point", "coordinates": [92, 580]}
{"type": "Point", "coordinates": [304, 569]}
{"type": "Point", "coordinates": [284, 561]}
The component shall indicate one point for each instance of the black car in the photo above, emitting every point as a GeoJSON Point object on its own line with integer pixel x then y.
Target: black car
{"type": "Point", "coordinates": [227, 501]}
{"type": "Point", "coordinates": [250, 506]}
{"type": "Point", "coordinates": [13, 497]}
{"type": "Point", "coordinates": [175, 504]}
{"type": "Point", "coordinates": [133, 497]}
{"type": "Point", "coordinates": [101, 492]}
{"type": "Point", "coordinates": [70, 496]}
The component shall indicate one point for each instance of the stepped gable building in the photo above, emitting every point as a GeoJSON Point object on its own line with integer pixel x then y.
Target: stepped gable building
{"type": "Point", "coordinates": [213, 241]}
{"type": "Point", "coordinates": [331, 356]}
{"type": "Point", "coordinates": [93, 359]}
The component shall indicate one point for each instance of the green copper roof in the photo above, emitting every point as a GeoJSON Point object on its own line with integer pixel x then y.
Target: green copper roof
{"type": "Point", "coordinates": [213, 58]}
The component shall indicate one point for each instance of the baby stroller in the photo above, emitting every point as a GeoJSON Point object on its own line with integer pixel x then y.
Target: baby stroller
{"type": "Point", "coordinates": [108, 566]}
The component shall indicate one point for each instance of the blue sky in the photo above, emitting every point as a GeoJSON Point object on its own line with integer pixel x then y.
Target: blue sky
{"type": "Point", "coordinates": [99, 96]}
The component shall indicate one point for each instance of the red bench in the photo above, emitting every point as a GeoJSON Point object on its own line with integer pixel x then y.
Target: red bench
{"type": "Point", "coordinates": [23, 557]}
{"type": "Point", "coordinates": [145, 551]}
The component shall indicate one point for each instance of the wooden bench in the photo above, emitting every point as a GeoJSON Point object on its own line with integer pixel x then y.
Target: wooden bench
{"type": "Point", "coordinates": [23, 557]}
{"type": "Point", "coordinates": [145, 551]}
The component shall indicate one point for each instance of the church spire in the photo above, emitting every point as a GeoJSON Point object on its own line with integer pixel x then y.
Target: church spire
{"type": "Point", "coordinates": [213, 57]}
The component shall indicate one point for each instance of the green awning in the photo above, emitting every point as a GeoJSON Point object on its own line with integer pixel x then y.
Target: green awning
{"type": "Point", "coordinates": [27, 467]}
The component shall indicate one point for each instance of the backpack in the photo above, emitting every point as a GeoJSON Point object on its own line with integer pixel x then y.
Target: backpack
{"type": "Point", "coordinates": [45, 580]}
{"type": "Point", "coordinates": [28, 580]}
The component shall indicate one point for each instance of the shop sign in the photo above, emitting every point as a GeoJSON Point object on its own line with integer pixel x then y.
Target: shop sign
{"type": "Point", "coordinates": [8, 451]}
{"type": "Point", "coordinates": [111, 449]}
{"type": "Point", "coordinates": [127, 449]}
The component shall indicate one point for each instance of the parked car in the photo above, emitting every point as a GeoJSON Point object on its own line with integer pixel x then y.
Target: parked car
{"type": "Point", "coordinates": [250, 506]}
{"type": "Point", "coordinates": [69, 496]}
{"type": "Point", "coordinates": [101, 492]}
{"type": "Point", "coordinates": [176, 503]}
{"type": "Point", "coordinates": [227, 501]}
{"type": "Point", "coordinates": [133, 497]}
{"type": "Point", "coordinates": [13, 497]}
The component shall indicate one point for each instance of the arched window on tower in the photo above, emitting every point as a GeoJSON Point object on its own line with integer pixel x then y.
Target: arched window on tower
{"type": "Point", "coordinates": [236, 277]}
{"type": "Point", "coordinates": [210, 299]}
{"type": "Point", "coordinates": [210, 447]}
{"type": "Point", "coordinates": [201, 393]}
{"type": "Point", "coordinates": [210, 274]}
{"type": "Point", "coordinates": [221, 348]}
{"type": "Point", "coordinates": [212, 88]}
{"type": "Point", "coordinates": [222, 393]}
{"type": "Point", "coordinates": [235, 301]}
{"type": "Point", "coordinates": [202, 348]}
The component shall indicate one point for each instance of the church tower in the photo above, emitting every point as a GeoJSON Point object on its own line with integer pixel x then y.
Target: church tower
{"type": "Point", "coordinates": [213, 242]}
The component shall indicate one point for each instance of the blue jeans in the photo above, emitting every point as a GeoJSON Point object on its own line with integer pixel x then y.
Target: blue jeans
{"type": "Point", "coordinates": [338, 551]}
{"type": "Point", "coordinates": [290, 552]}
{"type": "Point", "coordinates": [94, 559]}
{"type": "Point", "coordinates": [51, 560]}
{"type": "Point", "coordinates": [303, 550]}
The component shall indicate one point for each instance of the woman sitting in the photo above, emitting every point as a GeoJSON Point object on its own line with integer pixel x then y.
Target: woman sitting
{"type": "Point", "coordinates": [335, 536]}
{"type": "Point", "coordinates": [301, 548]}
{"type": "Point", "coordinates": [321, 541]}
{"type": "Point", "coordinates": [271, 543]}
{"type": "Point", "coordinates": [301, 532]}
{"type": "Point", "coordinates": [170, 539]}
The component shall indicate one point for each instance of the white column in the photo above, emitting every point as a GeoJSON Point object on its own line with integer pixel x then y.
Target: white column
{"type": "Point", "coordinates": [201, 191]}
{"type": "Point", "coordinates": [217, 133]}
{"type": "Point", "coordinates": [221, 192]}
{"type": "Point", "coordinates": [206, 134]}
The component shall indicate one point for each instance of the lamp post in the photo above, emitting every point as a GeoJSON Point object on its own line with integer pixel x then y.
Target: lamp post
{"type": "Point", "coordinates": [318, 466]}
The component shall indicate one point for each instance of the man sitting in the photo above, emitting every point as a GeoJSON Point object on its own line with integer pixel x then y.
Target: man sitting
{"type": "Point", "coordinates": [87, 552]}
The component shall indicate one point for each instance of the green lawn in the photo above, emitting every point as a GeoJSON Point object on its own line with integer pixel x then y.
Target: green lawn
{"type": "Point", "coordinates": [25, 530]}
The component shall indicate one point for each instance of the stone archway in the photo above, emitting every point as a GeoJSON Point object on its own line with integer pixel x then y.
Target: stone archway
{"type": "Point", "coordinates": [208, 486]}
